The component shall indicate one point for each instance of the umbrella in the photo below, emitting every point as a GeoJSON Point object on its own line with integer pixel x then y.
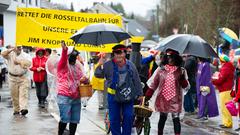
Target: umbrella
{"type": "Point", "coordinates": [148, 44]}
{"type": "Point", "coordinates": [98, 34]}
{"type": "Point", "coordinates": [187, 44]}
{"type": "Point", "coordinates": [228, 34]}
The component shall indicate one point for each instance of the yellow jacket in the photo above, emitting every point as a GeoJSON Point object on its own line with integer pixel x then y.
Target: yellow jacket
{"type": "Point", "coordinates": [97, 83]}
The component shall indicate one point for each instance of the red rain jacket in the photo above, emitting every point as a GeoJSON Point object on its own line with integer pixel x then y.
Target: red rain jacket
{"type": "Point", "coordinates": [225, 80]}
{"type": "Point", "coordinates": [39, 62]}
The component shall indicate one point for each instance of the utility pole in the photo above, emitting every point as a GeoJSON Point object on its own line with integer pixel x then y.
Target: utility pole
{"type": "Point", "coordinates": [154, 24]}
{"type": "Point", "coordinates": [166, 17]}
{"type": "Point", "coordinates": [157, 18]}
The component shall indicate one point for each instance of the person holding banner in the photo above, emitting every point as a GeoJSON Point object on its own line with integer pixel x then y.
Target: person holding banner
{"type": "Point", "coordinates": [19, 83]}
{"type": "Point", "coordinates": [69, 77]}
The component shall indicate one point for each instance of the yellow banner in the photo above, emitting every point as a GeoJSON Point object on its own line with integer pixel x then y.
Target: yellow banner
{"type": "Point", "coordinates": [46, 28]}
{"type": "Point", "coordinates": [136, 39]}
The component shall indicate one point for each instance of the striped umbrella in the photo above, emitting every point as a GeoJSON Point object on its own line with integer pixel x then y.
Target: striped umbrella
{"type": "Point", "coordinates": [228, 34]}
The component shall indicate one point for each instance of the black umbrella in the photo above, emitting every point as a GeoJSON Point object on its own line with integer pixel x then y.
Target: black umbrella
{"type": "Point", "coordinates": [101, 33]}
{"type": "Point", "coordinates": [187, 44]}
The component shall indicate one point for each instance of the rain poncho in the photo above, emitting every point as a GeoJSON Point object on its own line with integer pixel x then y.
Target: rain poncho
{"type": "Point", "coordinates": [68, 77]}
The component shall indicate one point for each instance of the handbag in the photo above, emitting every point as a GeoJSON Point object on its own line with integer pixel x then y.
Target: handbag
{"type": "Point", "coordinates": [232, 108]}
{"type": "Point", "coordinates": [126, 91]}
{"type": "Point", "coordinates": [85, 90]}
{"type": "Point", "coordinates": [205, 90]}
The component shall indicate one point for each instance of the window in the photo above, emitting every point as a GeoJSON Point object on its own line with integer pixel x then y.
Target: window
{"type": "Point", "coordinates": [23, 1]}
{"type": "Point", "coordinates": [30, 2]}
{"type": "Point", "coordinates": [1, 23]}
{"type": "Point", "coordinates": [36, 2]}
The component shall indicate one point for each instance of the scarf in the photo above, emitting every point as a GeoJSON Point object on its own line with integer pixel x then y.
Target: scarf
{"type": "Point", "coordinates": [169, 86]}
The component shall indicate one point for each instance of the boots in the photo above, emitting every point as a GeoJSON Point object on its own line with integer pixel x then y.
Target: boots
{"type": "Point", "coordinates": [160, 132]}
{"type": "Point", "coordinates": [24, 112]}
{"type": "Point", "coordinates": [177, 126]}
{"type": "Point", "coordinates": [61, 128]}
{"type": "Point", "coordinates": [72, 128]}
{"type": "Point", "coordinates": [161, 123]}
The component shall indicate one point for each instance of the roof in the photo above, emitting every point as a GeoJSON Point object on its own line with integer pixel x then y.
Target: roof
{"type": "Point", "coordinates": [134, 28]}
{"type": "Point", "coordinates": [102, 8]}
{"type": "Point", "coordinates": [49, 5]}
{"type": "Point", "coordinates": [4, 4]}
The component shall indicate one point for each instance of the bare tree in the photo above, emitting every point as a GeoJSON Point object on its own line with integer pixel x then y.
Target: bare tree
{"type": "Point", "coordinates": [201, 17]}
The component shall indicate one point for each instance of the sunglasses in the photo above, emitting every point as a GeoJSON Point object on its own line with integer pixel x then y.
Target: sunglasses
{"type": "Point", "coordinates": [169, 56]}
{"type": "Point", "coordinates": [119, 51]}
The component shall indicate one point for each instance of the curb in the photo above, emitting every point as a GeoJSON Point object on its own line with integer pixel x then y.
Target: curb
{"type": "Point", "coordinates": [203, 125]}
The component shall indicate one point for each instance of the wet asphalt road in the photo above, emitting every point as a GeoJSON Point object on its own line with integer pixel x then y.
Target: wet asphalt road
{"type": "Point", "coordinates": [41, 122]}
{"type": "Point", "coordinates": [37, 122]}
{"type": "Point", "coordinates": [91, 117]}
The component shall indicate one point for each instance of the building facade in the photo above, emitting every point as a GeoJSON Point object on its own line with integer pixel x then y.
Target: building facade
{"type": "Point", "coordinates": [4, 5]}
{"type": "Point", "coordinates": [9, 18]}
{"type": "Point", "coordinates": [8, 15]}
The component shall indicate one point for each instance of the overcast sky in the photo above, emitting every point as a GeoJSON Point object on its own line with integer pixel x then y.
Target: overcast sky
{"type": "Point", "coordinates": [136, 6]}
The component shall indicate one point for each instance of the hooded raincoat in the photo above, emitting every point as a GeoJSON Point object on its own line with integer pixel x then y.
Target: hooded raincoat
{"type": "Point", "coordinates": [39, 76]}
